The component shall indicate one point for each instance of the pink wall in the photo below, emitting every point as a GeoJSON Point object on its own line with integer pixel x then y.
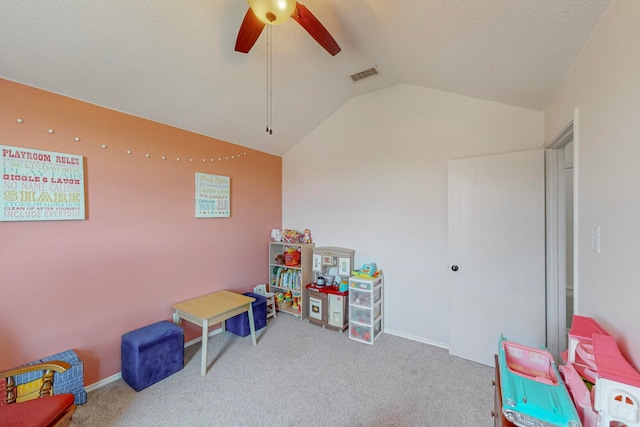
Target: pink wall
{"type": "Point", "coordinates": [82, 284]}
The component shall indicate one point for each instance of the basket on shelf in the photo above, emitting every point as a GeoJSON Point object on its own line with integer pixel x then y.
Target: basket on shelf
{"type": "Point", "coordinates": [291, 256]}
{"type": "Point", "coordinates": [284, 304]}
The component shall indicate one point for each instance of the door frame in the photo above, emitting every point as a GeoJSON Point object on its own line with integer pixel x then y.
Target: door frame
{"type": "Point", "coordinates": [556, 235]}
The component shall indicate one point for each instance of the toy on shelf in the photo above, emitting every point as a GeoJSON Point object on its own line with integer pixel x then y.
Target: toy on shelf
{"type": "Point", "coordinates": [284, 300]}
{"type": "Point", "coordinates": [368, 271]}
{"type": "Point", "coordinates": [363, 299]}
{"type": "Point", "coordinates": [279, 259]}
{"type": "Point", "coordinates": [343, 286]}
{"type": "Point", "coordinates": [361, 316]}
{"type": "Point", "coordinates": [276, 235]}
{"type": "Point", "coordinates": [533, 392]}
{"type": "Point", "coordinates": [306, 236]}
{"type": "Point", "coordinates": [292, 256]}
{"type": "Point", "coordinates": [290, 236]}
{"type": "Point", "coordinates": [361, 333]}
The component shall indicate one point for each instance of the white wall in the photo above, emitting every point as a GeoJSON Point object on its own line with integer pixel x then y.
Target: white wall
{"type": "Point", "coordinates": [604, 85]}
{"type": "Point", "coordinates": [373, 177]}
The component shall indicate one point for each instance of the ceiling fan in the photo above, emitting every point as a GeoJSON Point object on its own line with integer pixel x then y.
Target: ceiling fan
{"type": "Point", "coordinates": [274, 12]}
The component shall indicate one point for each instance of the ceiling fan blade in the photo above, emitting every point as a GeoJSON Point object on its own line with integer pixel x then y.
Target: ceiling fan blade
{"type": "Point", "coordinates": [249, 32]}
{"type": "Point", "coordinates": [315, 29]}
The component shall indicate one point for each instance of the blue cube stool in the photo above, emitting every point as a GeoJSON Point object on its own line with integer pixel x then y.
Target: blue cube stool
{"type": "Point", "coordinates": [239, 324]}
{"type": "Point", "coordinates": [152, 353]}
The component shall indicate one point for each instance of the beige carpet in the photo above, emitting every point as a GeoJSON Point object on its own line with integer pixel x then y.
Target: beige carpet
{"type": "Point", "coordinates": [302, 375]}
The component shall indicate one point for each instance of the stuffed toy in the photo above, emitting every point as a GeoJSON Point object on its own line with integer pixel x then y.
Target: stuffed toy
{"type": "Point", "coordinates": [290, 236]}
{"type": "Point", "coordinates": [276, 235]}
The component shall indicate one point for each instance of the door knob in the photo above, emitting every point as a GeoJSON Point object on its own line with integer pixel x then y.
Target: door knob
{"type": "Point", "coordinates": [454, 268]}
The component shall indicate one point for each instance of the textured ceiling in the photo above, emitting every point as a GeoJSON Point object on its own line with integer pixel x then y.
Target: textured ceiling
{"type": "Point", "coordinates": [173, 61]}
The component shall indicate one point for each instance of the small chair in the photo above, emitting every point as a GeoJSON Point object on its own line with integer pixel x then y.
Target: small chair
{"type": "Point", "coordinates": [44, 411]}
{"type": "Point", "coordinates": [270, 296]}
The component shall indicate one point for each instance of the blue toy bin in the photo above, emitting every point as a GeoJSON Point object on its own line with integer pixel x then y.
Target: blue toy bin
{"type": "Point", "coordinates": [239, 325]}
{"type": "Point", "coordinates": [152, 353]}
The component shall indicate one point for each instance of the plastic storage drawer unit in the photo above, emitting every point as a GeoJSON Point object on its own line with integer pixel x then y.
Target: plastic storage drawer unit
{"type": "Point", "coordinates": [365, 309]}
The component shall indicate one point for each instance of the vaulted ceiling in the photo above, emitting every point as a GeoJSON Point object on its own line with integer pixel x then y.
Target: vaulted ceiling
{"type": "Point", "coordinates": [173, 61]}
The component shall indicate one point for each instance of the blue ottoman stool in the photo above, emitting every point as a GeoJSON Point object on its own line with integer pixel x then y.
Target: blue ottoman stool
{"type": "Point", "coordinates": [152, 353]}
{"type": "Point", "coordinates": [239, 324]}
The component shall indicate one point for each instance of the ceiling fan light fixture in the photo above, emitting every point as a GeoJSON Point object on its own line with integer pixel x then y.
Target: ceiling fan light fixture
{"type": "Point", "coordinates": [272, 12]}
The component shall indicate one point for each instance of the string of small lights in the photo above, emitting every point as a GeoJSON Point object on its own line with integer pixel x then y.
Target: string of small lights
{"type": "Point", "coordinates": [146, 155]}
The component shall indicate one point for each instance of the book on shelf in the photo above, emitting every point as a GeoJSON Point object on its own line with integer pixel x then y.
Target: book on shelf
{"type": "Point", "coordinates": [287, 278]}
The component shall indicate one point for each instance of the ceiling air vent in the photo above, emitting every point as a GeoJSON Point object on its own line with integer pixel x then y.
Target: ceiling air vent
{"type": "Point", "coordinates": [364, 74]}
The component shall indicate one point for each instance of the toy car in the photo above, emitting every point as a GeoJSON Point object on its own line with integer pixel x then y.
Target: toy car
{"type": "Point", "coordinates": [533, 392]}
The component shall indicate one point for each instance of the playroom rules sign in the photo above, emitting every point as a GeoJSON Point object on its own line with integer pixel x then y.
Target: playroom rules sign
{"type": "Point", "coordinates": [41, 185]}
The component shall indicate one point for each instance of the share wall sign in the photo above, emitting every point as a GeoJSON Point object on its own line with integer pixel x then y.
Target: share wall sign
{"type": "Point", "coordinates": [41, 185]}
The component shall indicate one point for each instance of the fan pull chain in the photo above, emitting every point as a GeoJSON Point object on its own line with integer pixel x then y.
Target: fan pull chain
{"type": "Point", "coordinates": [269, 80]}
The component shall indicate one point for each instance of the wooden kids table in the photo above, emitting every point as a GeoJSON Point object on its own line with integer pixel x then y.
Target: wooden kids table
{"type": "Point", "coordinates": [213, 308]}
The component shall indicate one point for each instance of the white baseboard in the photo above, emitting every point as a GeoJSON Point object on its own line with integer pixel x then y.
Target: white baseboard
{"type": "Point", "coordinates": [101, 383]}
{"type": "Point", "coordinates": [118, 375]}
{"type": "Point", "coordinates": [414, 338]}
{"type": "Point", "coordinates": [199, 339]}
